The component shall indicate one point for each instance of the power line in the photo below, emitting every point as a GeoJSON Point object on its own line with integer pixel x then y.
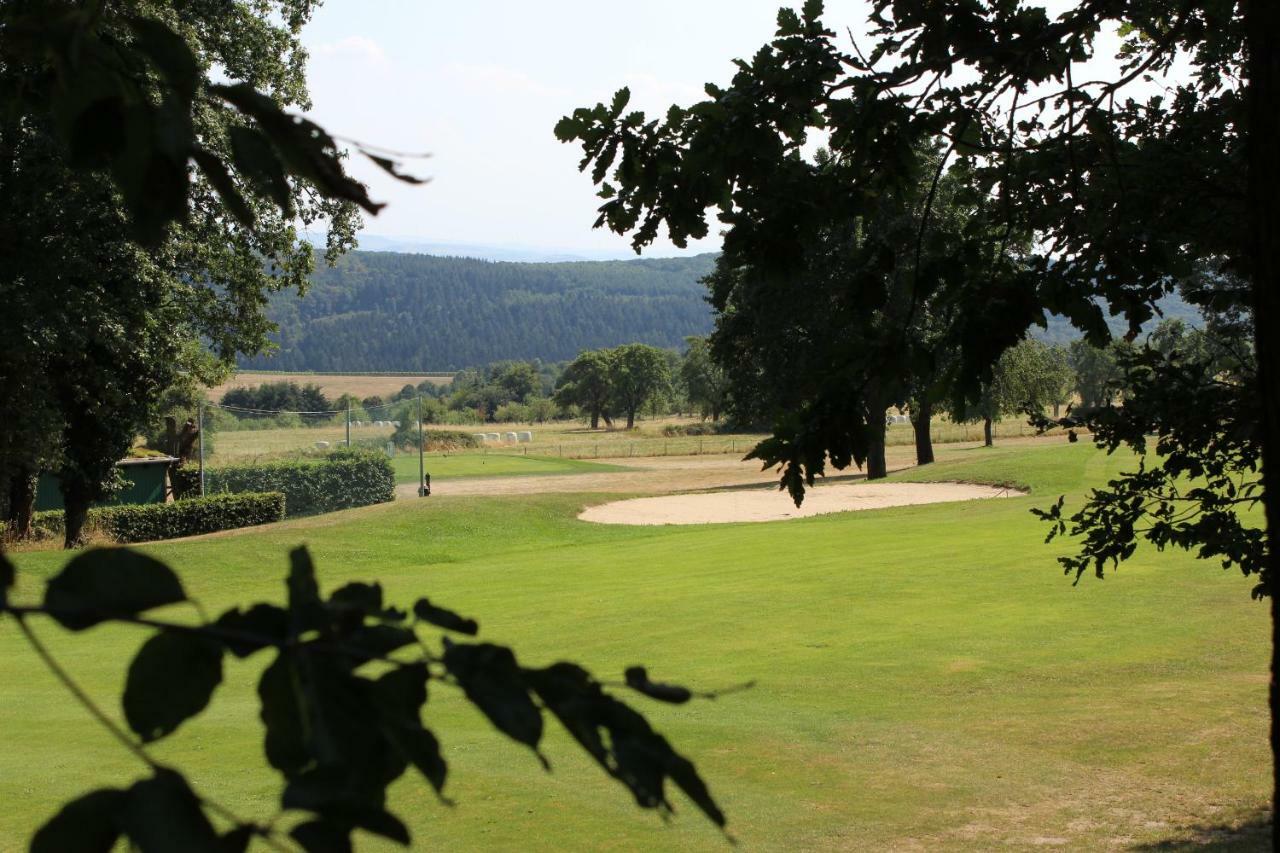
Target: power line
{"type": "Point", "coordinates": [274, 411]}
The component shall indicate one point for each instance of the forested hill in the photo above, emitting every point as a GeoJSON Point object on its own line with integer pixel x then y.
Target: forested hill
{"type": "Point", "coordinates": [386, 311]}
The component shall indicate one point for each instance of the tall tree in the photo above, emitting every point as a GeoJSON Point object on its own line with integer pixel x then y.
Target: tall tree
{"type": "Point", "coordinates": [218, 239]}
{"type": "Point", "coordinates": [859, 323]}
{"type": "Point", "coordinates": [337, 736]}
{"type": "Point", "coordinates": [1097, 373]}
{"type": "Point", "coordinates": [1127, 190]}
{"type": "Point", "coordinates": [637, 373]}
{"type": "Point", "coordinates": [586, 383]}
{"type": "Point", "coordinates": [705, 381]}
{"type": "Point", "coordinates": [518, 380]}
{"type": "Point", "coordinates": [1026, 377]}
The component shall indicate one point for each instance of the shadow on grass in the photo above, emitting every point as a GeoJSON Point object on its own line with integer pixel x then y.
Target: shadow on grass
{"type": "Point", "coordinates": [1253, 833]}
{"type": "Point", "coordinates": [831, 479]}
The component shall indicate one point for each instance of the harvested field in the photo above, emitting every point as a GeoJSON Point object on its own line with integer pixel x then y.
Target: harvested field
{"type": "Point", "coordinates": [334, 385]}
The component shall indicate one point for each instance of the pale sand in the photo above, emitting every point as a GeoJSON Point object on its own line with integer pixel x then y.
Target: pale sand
{"type": "Point", "coordinates": [772, 505]}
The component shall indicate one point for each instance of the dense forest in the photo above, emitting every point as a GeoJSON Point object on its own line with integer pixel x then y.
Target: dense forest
{"type": "Point", "coordinates": [387, 311]}
{"type": "Point", "coordinates": [391, 311]}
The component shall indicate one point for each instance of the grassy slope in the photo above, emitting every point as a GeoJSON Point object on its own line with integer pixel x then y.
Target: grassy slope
{"type": "Point", "coordinates": [925, 675]}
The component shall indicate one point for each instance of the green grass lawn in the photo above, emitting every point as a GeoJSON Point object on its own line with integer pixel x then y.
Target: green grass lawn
{"type": "Point", "coordinates": [925, 676]}
{"type": "Point", "coordinates": [458, 465]}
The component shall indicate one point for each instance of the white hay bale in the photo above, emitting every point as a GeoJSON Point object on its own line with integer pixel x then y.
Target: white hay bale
{"type": "Point", "coordinates": [524, 436]}
{"type": "Point", "coordinates": [509, 437]}
{"type": "Point", "coordinates": [322, 445]}
{"type": "Point", "coordinates": [479, 436]}
{"type": "Point", "coordinates": [491, 436]}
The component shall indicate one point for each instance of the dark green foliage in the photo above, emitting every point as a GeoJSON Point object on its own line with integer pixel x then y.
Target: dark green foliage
{"type": "Point", "coordinates": [399, 694]}
{"type": "Point", "coordinates": [171, 679]}
{"type": "Point", "coordinates": [383, 311]}
{"type": "Point", "coordinates": [191, 517]}
{"type": "Point", "coordinates": [638, 680]}
{"type": "Point", "coordinates": [109, 583]}
{"type": "Point", "coordinates": [147, 137]}
{"type": "Point", "coordinates": [261, 626]}
{"type": "Point", "coordinates": [185, 481]}
{"type": "Point", "coordinates": [162, 813]}
{"type": "Point", "coordinates": [343, 479]}
{"type": "Point", "coordinates": [188, 517]}
{"type": "Point", "coordinates": [341, 706]}
{"type": "Point", "coordinates": [674, 430]}
{"type": "Point", "coordinates": [7, 578]}
{"type": "Point", "coordinates": [620, 740]}
{"type": "Point", "coordinates": [442, 617]}
{"type": "Point", "coordinates": [587, 384]}
{"type": "Point", "coordinates": [492, 680]}
{"type": "Point", "coordinates": [286, 396]}
{"type": "Point", "coordinates": [406, 436]}
{"type": "Point", "coordinates": [637, 374]}
{"type": "Point", "coordinates": [1189, 398]}
{"type": "Point", "coordinates": [705, 382]}
{"type": "Point", "coordinates": [87, 824]}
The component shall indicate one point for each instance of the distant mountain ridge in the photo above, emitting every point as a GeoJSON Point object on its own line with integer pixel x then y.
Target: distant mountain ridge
{"type": "Point", "coordinates": [385, 311]}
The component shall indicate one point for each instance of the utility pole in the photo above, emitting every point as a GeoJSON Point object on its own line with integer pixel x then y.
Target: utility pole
{"type": "Point", "coordinates": [422, 479]}
{"type": "Point", "coordinates": [348, 425]}
{"type": "Point", "coordinates": [200, 436]}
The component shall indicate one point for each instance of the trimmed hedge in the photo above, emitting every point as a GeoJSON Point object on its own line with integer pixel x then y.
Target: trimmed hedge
{"type": "Point", "coordinates": [343, 479]}
{"type": "Point", "coordinates": [149, 522]}
{"type": "Point", "coordinates": [406, 438]}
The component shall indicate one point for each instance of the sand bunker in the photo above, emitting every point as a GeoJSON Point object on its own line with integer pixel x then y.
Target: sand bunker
{"type": "Point", "coordinates": [772, 505]}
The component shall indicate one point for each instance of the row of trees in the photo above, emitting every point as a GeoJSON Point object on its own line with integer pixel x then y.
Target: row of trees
{"type": "Point", "coordinates": [638, 378]}
{"type": "Point", "coordinates": [623, 380]}
{"type": "Point", "coordinates": [280, 396]}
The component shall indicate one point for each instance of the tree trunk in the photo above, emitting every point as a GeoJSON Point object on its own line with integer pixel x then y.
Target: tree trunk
{"type": "Point", "coordinates": [986, 431]}
{"type": "Point", "coordinates": [595, 419]}
{"type": "Point", "coordinates": [631, 418]}
{"type": "Point", "coordinates": [876, 467]}
{"type": "Point", "coordinates": [1262, 23]}
{"type": "Point", "coordinates": [22, 502]}
{"type": "Point", "coordinates": [75, 499]}
{"type": "Point", "coordinates": [920, 417]}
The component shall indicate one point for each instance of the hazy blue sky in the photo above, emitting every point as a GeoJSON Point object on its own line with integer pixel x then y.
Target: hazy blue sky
{"type": "Point", "coordinates": [480, 86]}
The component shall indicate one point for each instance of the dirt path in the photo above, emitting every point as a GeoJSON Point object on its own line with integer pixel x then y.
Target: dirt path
{"type": "Point", "coordinates": [664, 474]}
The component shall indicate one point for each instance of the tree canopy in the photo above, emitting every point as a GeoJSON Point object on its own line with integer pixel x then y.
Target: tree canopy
{"type": "Point", "coordinates": [168, 197]}
{"type": "Point", "coordinates": [1126, 184]}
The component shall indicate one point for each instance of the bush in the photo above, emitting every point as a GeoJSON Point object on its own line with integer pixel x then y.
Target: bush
{"type": "Point", "coordinates": [450, 439]}
{"type": "Point", "coordinates": [185, 480]}
{"type": "Point", "coordinates": [343, 479]}
{"type": "Point", "coordinates": [149, 522]}
{"type": "Point", "coordinates": [704, 428]}
{"type": "Point", "coordinates": [513, 413]}
{"type": "Point", "coordinates": [406, 438]}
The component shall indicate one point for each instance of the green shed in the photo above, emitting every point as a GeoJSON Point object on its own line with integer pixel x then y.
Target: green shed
{"type": "Point", "coordinates": [146, 482]}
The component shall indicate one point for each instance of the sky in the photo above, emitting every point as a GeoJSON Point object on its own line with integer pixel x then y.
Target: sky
{"type": "Point", "coordinates": [481, 85]}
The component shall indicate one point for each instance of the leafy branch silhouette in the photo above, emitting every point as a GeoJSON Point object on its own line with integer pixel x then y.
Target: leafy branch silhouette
{"type": "Point", "coordinates": [341, 705]}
